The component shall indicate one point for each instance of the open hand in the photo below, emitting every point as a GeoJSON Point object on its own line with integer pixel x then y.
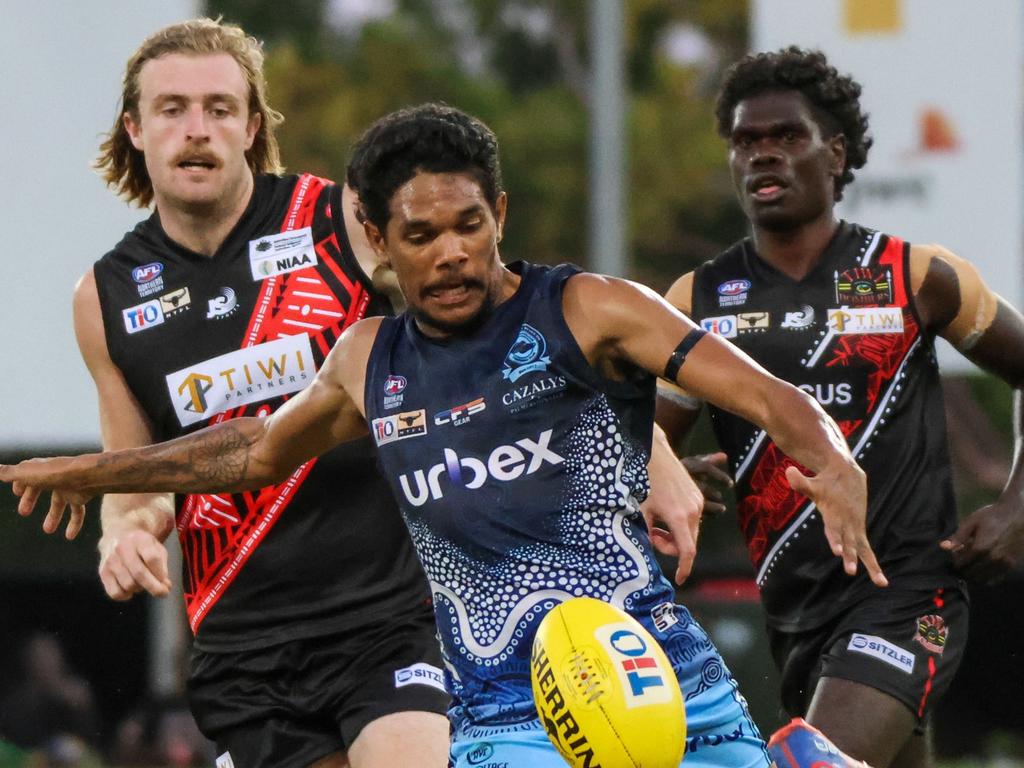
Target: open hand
{"type": "Point", "coordinates": [30, 479]}
{"type": "Point", "coordinates": [840, 493]}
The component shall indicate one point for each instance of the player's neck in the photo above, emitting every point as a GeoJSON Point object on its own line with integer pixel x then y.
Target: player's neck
{"type": "Point", "coordinates": [203, 228]}
{"type": "Point", "coordinates": [795, 252]}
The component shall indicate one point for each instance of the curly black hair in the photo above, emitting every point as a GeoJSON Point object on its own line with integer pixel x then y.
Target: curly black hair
{"type": "Point", "coordinates": [434, 138]}
{"type": "Point", "coordinates": [834, 98]}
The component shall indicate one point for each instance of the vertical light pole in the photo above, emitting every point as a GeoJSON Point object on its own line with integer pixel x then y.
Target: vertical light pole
{"type": "Point", "coordinates": [607, 138]}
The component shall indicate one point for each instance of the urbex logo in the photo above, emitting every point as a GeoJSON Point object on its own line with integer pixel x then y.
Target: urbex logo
{"type": "Point", "coordinates": [249, 375]}
{"type": "Point", "coordinates": [505, 463]}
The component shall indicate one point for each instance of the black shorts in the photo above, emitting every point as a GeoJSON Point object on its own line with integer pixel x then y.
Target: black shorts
{"type": "Point", "coordinates": [291, 704]}
{"type": "Point", "coordinates": [906, 643]}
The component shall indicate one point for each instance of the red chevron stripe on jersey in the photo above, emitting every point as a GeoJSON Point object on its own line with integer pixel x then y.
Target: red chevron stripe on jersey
{"type": "Point", "coordinates": [218, 535]}
{"type": "Point", "coordinates": [771, 505]}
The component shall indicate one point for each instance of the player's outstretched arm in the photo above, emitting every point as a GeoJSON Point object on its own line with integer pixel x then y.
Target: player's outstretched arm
{"type": "Point", "coordinates": [236, 455]}
{"type": "Point", "coordinates": [619, 323]}
{"type": "Point", "coordinates": [955, 302]}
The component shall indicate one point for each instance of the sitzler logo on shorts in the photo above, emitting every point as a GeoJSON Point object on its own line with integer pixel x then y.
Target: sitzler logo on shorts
{"type": "Point", "coordinates": [420, 674]}
{"type": "Point", "coordinates": [505, 463]}
{"type": "Point", "coordinates": [883, 650]}
{"type": "Point", "coordinates": [249, 375]}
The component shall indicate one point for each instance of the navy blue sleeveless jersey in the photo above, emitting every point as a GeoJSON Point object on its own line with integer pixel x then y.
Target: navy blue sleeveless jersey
{"type": "Point", "coordinates": [849, 335]}
{"type": "Point", "coordinates": [519, 469]}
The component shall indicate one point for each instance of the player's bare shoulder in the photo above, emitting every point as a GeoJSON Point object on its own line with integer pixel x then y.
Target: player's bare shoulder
{"type": "Point", "coordinates": [345, 366]}
{"type": "Point", "coordinates": [680, 294]}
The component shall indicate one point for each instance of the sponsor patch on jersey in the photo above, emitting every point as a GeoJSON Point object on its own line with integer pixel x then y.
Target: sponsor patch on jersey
{"type": "Point", "coordinates": [147, 273]}
{"type": "Point", "coordinates": [527, 354]}
{"type": "Point", "coordinates": [394, 385]}
{"type": "Point", "coordinates": [533, 393]}
{"type": "Point", "coordinates": [399, 426]}
{"type": "Point", "coordinates": [224, 304]}
{"type": "Point", "coordinates": [932, 632]}
{"type": "Point", "coordinates": [866, 320]}
{"type": "Point", "coordinates": [642, 681]}
{"type": "Point", "coordinates": [800, 320]}
{"type": "Point", "coordinates": [724, 325]}
{"type": "Point", "coordinates": [863, 286]}
{"type": "Point", "coordinates": [142, 316]}
{"type": "Point", "coordinates": [752, 322]}
{"type": "Point", "coordinates": [175, 302]}
{"type": "Point", "coordinates": [883, 650]}
{"type": "Point", "coordinates": [505, 463]}
{"type": "Point", "coordinates": [460, 414]}
{"type": "Point", "coordinates": [280, 253]}
{"type": "Point", "coordinates": [148, 278]}
{"type": "Point", "coordinates": [733, 292]}
{"type": "Point", "coordinates": [420, 674]}
{"type": "Point", "coordinates": [249, 375]}
{"type": "Point", "coordinates": [664, 616]}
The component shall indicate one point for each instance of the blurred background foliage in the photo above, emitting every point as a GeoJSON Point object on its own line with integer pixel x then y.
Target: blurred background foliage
{"type": "Point", "coordinates": [522, 66]}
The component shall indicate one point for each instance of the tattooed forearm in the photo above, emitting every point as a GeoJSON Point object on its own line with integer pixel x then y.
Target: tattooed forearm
{"type": "Point", "coordinates": [221, 457]}
{"type": "Point", "coordinates": [211, 460]}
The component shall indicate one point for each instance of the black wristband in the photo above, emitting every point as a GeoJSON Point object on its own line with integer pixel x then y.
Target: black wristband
{"type": "Point", "coordinates": [675, 362]}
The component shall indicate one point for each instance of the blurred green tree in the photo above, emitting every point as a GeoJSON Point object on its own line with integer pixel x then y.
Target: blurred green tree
{"type": "Point", "coordinates": [523, 67]}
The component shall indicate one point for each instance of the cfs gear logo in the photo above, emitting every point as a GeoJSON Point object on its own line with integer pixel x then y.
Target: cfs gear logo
{"type": "Point", "coordinates": [642, 680]}
{"type": "Point", "coordinates": [399, 426]}
{"type": "Point", "coordinates": [394, 385]}
{"type": "Point", "coordinates": [460, 414]}
{"type": "Point", "coordinates": [863, 286]}
{"type": "Point", "coordinates": [148, 278]}
{"type": "Point", "coordinates": [932, 632]}
{"type": "Point", "coordinates": [223, 305]}
{"type": "Point", "coordinates": [142, 316]}
{"type": "Point", "coordinates": [733, 292]}
{"type": "Point", "coordinates": [866, 320]}
{"type": "Point", "coordinates": [505, 463]}
{"type": "Point", "coordinates": [248, 375]}
{"type": "Point", "coordinates": [800, 320]}
{"type": "Point", "coordinates": [281, 253]}
{"type": "Point", "coordinates": [724, 326]}
{"type": "Point", "coordinates": [527, 354]}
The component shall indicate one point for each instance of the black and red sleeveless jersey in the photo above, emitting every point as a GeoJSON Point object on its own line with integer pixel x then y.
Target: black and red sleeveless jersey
{"type": "Point", "coordinates": [200, 340]}
{"type": "Point", "coordinates": [849, 335]}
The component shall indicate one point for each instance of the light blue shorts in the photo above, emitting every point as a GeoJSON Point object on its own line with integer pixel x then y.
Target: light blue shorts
{"type": "Point", "coordinates": [719, 732]}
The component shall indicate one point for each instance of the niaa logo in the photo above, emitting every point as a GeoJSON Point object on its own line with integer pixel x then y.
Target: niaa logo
{"type": "Point", "coordinates": [527, 354]}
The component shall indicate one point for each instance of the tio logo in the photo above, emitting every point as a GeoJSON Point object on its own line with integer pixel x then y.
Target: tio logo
{"type": "Point", "coordinates": [641, 668]}
{"type": "Point", "coordinates": [143, 316]}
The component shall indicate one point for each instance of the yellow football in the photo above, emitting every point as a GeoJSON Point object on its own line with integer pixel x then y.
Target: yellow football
{"type": "Point", "coordinates": [605, 690]}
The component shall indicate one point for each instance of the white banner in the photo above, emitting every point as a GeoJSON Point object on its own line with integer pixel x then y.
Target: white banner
{"type": "Point", "coordinates": [943, 89]}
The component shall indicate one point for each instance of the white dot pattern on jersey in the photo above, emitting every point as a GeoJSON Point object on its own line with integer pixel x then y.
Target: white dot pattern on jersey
{"type": "Point", "coordinates": [488, 605]}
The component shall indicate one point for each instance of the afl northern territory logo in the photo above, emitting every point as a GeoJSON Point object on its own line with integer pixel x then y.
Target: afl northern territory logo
{"type": "Point", "coordinates": [527, 354]}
